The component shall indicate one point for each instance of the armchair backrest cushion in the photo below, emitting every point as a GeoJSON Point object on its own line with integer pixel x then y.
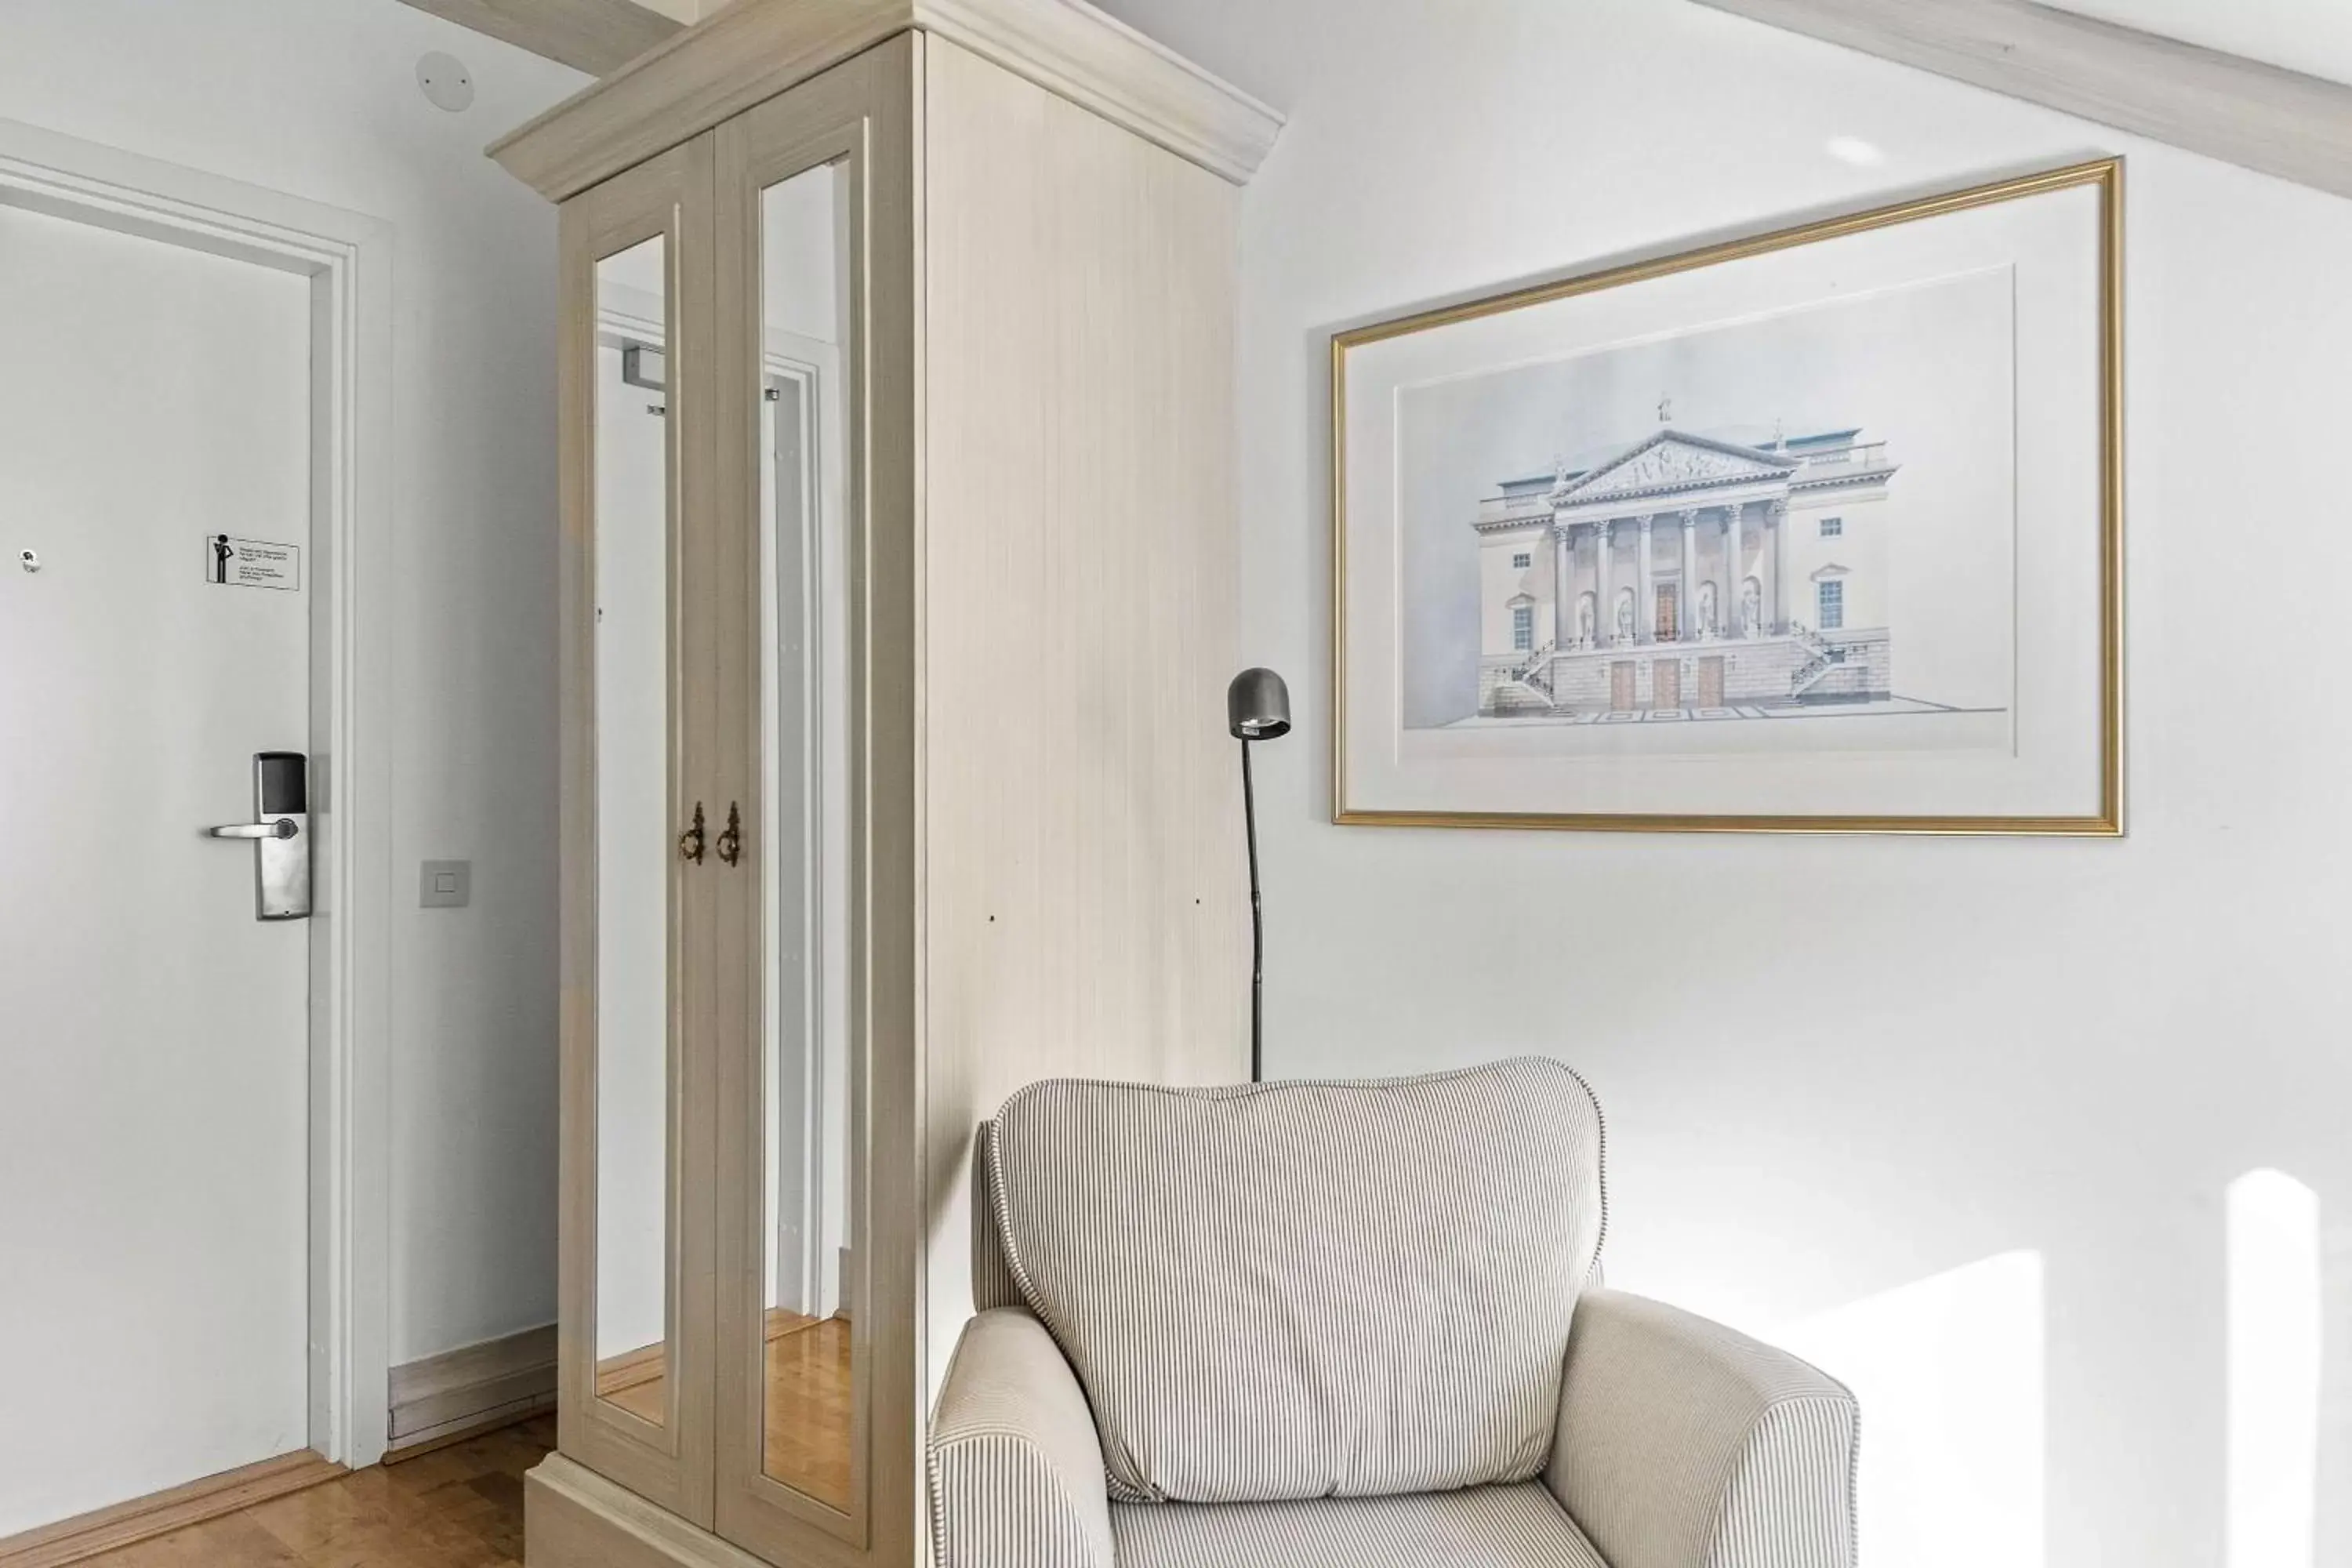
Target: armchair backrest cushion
{"type": "Point", "coordinates": [1308, 1289]}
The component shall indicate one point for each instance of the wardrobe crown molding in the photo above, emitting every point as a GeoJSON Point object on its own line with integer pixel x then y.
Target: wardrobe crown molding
{"type": "Point", "coordinates": [753, 49]}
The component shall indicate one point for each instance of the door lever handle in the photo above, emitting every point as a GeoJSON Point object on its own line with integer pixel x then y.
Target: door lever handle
{"type": "Point", "coordinates": [279, 834]}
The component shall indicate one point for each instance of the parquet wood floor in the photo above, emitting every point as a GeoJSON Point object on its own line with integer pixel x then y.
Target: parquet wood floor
{"type": "Point", "coordinates": [459, 1507]}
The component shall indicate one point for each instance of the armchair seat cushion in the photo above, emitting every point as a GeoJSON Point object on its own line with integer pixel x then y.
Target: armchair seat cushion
{"type": "Point", "coordinates": [1484, 1527]}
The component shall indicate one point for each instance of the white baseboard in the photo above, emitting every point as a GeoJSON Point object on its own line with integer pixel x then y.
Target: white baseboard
{"type": "Point", "coordinates": [472, 1388]}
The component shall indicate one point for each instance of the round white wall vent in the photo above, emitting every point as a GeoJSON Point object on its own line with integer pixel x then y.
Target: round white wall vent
{"type": "Point", "coordinates": [446, 82]}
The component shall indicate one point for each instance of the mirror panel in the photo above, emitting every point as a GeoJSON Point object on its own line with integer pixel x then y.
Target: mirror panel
{"type": "Point", "coordinates": [635, 836]}
{"type": "Point", "coordinates": [812, 1160]}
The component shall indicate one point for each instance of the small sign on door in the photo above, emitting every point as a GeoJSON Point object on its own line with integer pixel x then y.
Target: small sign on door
{"type": "Point", "coordinates": [251, 562]}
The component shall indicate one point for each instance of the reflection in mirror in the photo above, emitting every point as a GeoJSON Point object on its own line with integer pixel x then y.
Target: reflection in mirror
{"type": "Point", "coordinates": [633, 835]}
{"type": "Point", "coordinates": [812, 1164]}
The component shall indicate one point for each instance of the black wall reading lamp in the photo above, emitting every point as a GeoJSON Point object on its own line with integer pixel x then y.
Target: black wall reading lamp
{"type": "Point", "coordinates": [1257, 708]}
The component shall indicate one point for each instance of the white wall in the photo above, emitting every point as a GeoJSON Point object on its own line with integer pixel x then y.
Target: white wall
{"type": "Point", "coordinates": [318, 98]}
{"type": "Point", "coordinates": [1959, 1116]}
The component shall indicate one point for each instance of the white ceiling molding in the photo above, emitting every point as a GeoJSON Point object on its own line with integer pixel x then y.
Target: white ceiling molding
{"type": "Point", "coordinates": [598, 36]}
{"type": "Point", "coordinates": [2243, 111]}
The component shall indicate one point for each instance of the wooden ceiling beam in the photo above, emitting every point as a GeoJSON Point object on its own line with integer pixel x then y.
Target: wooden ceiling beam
{"type": "Point", "coordinates": [2243, 111]}
{"type": "Point", "coordinates": [598, 36]}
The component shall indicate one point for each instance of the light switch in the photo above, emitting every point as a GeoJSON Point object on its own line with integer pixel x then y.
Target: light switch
{"type": "Point", "coordinates": [447, 884]}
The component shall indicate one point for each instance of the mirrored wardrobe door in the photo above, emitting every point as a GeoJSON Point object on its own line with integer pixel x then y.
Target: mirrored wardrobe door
{"type": "Point", "coordinates": [639, 713]}
{"type": "Point", "coordinates": [807, 1314]}
{"type": "Point", "coordinates": [637, 784]}
{"type": "Point", "coordinates": [808, 1279]}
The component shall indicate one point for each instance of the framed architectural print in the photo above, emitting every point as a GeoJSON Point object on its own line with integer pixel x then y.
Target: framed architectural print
{"type": "Point", "coordinates": [1817, 532]}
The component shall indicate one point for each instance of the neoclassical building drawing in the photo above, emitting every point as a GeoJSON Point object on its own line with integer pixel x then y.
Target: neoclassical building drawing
{"type": "Point", "coordinates": [1688, 575]}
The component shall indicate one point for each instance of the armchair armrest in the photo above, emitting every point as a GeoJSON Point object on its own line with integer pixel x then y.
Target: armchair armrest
{"type": "Point", "coordinates": [1016, 1471]}
{"type": "Point", "coordinates": [1685, 1445]}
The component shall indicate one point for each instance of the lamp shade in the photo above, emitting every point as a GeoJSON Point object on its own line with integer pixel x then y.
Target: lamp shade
{"type": "Point", "coordinates": [1257, 705]}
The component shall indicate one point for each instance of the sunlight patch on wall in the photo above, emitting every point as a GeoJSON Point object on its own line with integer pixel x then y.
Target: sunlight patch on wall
{"type": "Point", "coordinates": [2274, 1250]}
{"type": "Point", "coordinates": [1949, 1374]}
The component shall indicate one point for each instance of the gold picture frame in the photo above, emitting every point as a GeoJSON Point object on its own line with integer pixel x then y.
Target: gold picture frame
{"type": "Point", "coordinates": [2102, 175]}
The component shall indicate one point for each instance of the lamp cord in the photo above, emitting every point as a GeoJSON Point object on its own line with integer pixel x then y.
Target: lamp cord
{"type": "Point", "coordinates": [1258, 927]}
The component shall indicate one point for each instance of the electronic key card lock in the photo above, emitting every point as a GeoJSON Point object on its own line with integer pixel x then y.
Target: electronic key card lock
{"type": "Point", "coordinates": [280, 832]}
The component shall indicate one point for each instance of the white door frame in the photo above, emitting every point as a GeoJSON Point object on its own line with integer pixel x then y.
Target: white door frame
{"type": "Point", "coordinates": [796, 1100]}
{"type": "Point", "coordinates": [809, 1260]}
{"type": "Point", "coordinates": [348, 259]}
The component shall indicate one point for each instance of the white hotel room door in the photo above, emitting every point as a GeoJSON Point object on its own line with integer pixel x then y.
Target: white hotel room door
{"type": "Point", "coordinates": [153, 1030]}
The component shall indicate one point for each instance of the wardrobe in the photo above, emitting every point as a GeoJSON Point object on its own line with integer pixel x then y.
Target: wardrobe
{"type": "Point", "coordinates": [897, 569]}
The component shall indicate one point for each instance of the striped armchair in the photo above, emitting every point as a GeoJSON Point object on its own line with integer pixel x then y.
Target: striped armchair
{"type": "Point", "coordinates": [1351, 1325]}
